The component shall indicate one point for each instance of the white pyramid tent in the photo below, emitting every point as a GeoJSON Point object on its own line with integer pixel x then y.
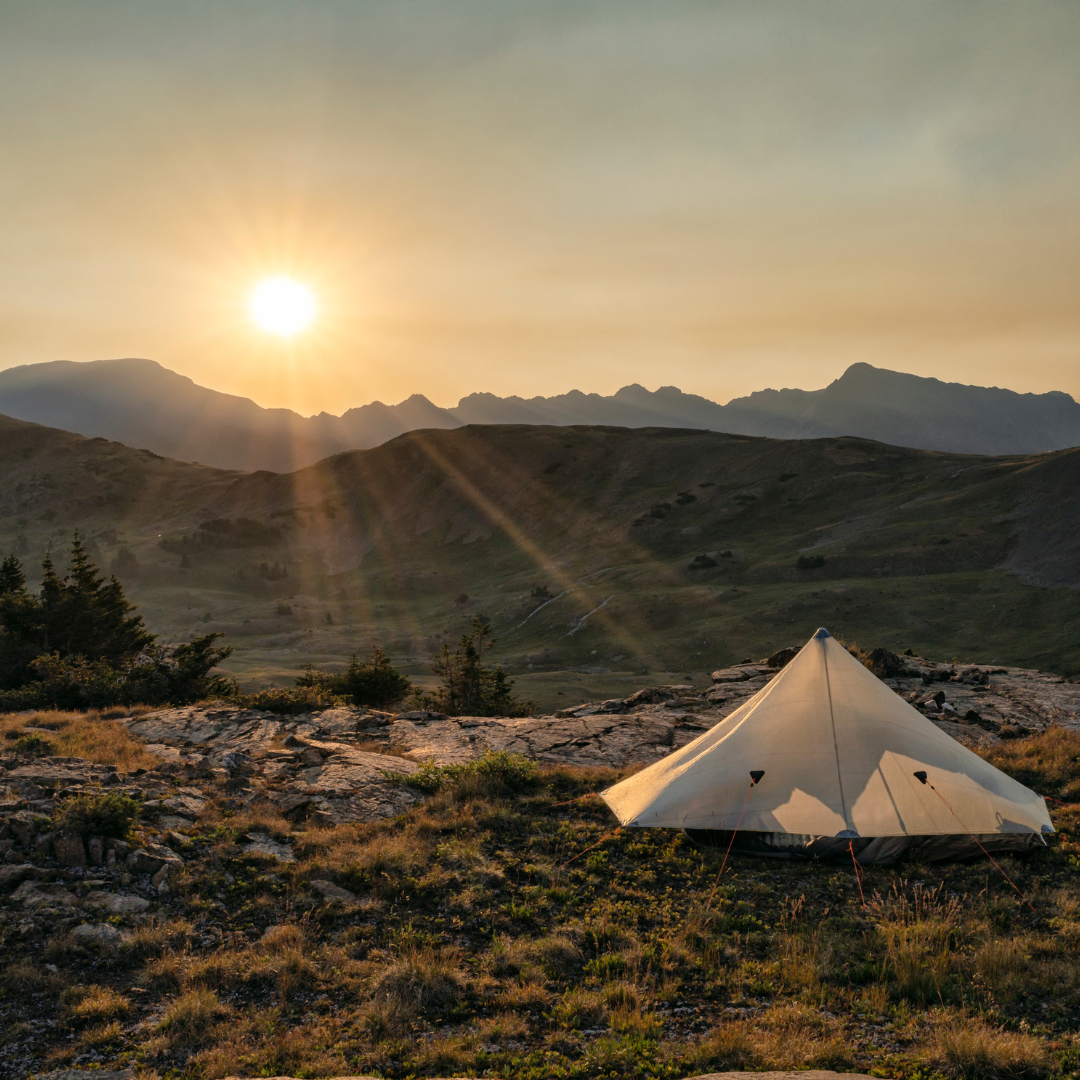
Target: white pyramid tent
{"type": "Point", "coordinates": [839, 753]}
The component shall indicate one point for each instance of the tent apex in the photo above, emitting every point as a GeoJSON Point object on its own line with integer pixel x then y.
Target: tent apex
{"type": "Point", "coordinates": [821, 633]}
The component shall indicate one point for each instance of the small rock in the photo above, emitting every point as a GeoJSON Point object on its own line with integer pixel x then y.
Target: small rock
{"type": "Point", "coordinates": [329, 891]}
{"type": "Point", "coordinates": [261, 844]}
{"type": "Point", "coordinates": [95, 848]}
{"type": "Point", "coordinates": [101, 934]}
{"type": "Point", "coordinates": [160, 880]}
{"type": "Point", "coordinates": [152, 858]}
{"type": "Point", "coordinates": [69, 850]}
{"type": "Point", "coordinates": [116, 904]}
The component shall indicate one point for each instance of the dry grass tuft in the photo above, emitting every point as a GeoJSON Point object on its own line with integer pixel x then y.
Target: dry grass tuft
{"type": "Point", "coordinates": [557, 955]}
{"type": "Point", "coordinates": [153, 938]}
{"type": "Point", "coordinates": [424, 978]}
{"type": "Point", "coordinates": [580, 1010]}
{"type": "Point", "coordinates": [265, 1044]}
{"type": "Point", "coordinates": [282, 937]}
{"type": "Point", "coordinates": [90, 735]}
{"type": "Point", "coordinates": [24, 976]}
{"type": "Point", "coordinates": [102, 1035]}
{"type": "Point", "coordinates": [191, 1017]}
{"type": "Point", "coordinates": [972, 1050]}
{"type": "Point", "coordinates": [92, 1004]}
{"type": "Point", "coordinates": [920, 929]}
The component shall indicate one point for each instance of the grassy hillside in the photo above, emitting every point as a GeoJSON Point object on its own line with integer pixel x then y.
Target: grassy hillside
{"type": "Point", "coordinates": [604, 557]}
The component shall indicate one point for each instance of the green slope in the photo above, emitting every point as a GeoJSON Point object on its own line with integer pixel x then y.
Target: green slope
{"type": "Point", "coordinates": [954, 555]}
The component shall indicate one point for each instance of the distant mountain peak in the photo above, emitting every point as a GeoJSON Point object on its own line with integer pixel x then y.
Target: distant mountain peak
{"type": "Point", "coordinates": [139, 402]}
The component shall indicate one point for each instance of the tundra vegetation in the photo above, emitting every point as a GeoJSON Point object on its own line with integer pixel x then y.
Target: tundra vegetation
{"type": "Point", "coordinates": [500, 929]}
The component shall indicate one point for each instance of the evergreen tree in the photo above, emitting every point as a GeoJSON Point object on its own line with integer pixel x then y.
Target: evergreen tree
{"type": "Point", "coordinates": [80, 615]}
{"type": "Point", "coordinates": [471, 688]}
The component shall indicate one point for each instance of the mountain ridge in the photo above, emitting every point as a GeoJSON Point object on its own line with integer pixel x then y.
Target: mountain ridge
{"type": "Point", "coordinates": [141, 403]}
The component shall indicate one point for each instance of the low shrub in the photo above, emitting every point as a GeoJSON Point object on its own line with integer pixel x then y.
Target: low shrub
{"type": "Point", "coordinates": [496, 774]}
{"type": "Point", "coordinates": [34, 745]}
{"type": "Point", "coordinates": [287, 700]}
{"type": "Point", "coordinates": [108, 814]}
{"type": "Point", "coordinates": [376, 684]}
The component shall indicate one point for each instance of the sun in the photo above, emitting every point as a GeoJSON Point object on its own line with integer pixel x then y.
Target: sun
{"type": "Point", "coordinates": [282, 306]}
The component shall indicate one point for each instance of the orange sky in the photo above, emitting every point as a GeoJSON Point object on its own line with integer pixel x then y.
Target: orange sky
{"type": "Point", "coordinates": [531, 197]}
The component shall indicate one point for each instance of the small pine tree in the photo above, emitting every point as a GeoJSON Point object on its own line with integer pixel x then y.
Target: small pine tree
{"type": "Point", "coordinates": [469, 686]}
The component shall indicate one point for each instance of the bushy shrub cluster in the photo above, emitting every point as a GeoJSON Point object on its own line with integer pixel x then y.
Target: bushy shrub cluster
{"type": "Point", "coordinates": [375, 684]}
{"type": "Point", "coordinates": [497, 773]}
{"type": "Point", "coordinates": [108, 814]}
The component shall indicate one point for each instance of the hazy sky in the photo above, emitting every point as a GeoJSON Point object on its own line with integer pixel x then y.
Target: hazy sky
{"type": "Point", "coordinates": [530, 197]}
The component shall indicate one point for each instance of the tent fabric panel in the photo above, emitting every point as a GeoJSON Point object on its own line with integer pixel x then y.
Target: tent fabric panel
{"type": "Point", "coordinates": [839, 750]}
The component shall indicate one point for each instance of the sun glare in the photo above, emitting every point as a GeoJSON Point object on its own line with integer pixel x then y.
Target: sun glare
{"type": "Point", "coordinates": [282, 306]}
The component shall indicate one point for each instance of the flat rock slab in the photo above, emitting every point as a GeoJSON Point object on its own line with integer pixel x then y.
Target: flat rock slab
{"type": "Point", "coordinates": [611, 740]}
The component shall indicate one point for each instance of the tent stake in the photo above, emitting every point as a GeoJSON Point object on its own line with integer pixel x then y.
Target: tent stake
{"type": "Point", "coordinates": [858, 876]}
{"type": "Point", "coordinates": [921, 777]}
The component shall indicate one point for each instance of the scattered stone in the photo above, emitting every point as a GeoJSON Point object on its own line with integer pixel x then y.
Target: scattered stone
{"type": "Point", "coordinates": [329, 891]}
{"type": "Point", "coordinates": [261, 844]}
{"type": "Point", "coordinates": [117, 904]}
{"type": "Point", "coordinates": [101, 934]}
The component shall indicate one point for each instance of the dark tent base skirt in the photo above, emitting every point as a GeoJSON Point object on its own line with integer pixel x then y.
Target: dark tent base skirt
{"type": "Point", "coordinates": [868, 850]}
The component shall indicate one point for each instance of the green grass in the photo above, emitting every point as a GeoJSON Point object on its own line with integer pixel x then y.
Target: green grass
{"type": "Point", "coordinates": [456, 524]}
